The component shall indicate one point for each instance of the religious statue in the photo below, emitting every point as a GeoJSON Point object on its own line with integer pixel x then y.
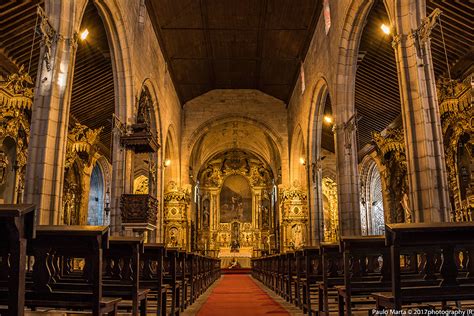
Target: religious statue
{"type": "Point", "coordinates": [173, 237]}
{"type": "Point", "coordinates": [297, 236]}
{"type": "Point", "coordinates": [234, 264]}
{"type": "Point", "coordinates": [406, 208]}
{"type": "Point", "coordinates": [205, 216]}
{"type": "Point", "coordinates": [3, 167]}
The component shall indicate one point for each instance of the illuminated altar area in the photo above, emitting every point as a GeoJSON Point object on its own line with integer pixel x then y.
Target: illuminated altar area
{"type": "Point", "coordinates": [242, 257]}
{"type": "Point", "coordinates": [236, 208]}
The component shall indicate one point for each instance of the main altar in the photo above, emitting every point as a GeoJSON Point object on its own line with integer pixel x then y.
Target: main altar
{"type": "Point", "coordinates": [236, 208]}
{"type": "Point", "coordinates": [242, 256]}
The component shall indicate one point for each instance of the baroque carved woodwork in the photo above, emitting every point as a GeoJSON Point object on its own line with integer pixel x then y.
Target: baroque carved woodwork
{"type": "Point", "coordinates": [176, 216]}
{"type": "Point", "coordinates": [330, 210]}
{"type": "Point", "coordinates": [16, 100]}
{"type": "Point", "coordinates": [294, 222]}
{"type": "Point", "coordinates": [140, 136]}
{"type": "Point", "coordinates": [235, 211]}
{"type": "Point", "coordinates": [138, 208]}
{"type": "Point", "coordinates": [457, 112]}
{"type": "Point", "coordinates": [81, 153]}
{"type": "Point", "coordinates": [391, 150]}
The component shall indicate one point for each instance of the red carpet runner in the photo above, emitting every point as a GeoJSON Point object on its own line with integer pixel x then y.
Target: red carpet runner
{"type": "Point", "coordinates": [238, 294]}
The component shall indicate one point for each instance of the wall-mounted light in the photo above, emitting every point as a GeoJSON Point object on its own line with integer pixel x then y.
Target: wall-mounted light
{"type": "Point", "coordinates": [302, 161]}
{"type": "Point", "coordinates": [84, 34]}
{"type": "Point", "coordinates": [167, 163]}
{"type": "Point", "coordinates": [385, 29]}
{"type": "Point", "coordinates": [328, 119]}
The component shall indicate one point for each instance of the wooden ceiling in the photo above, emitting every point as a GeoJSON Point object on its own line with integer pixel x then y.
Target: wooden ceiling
{"type": "Point", "coordinates": [244, 44]}
{"type": "Point", "coordinates": [377, 96]}
{"type": "Point", "coordinates": [93, 98]}
{"type": "Point", "coordinates": [17, 24]}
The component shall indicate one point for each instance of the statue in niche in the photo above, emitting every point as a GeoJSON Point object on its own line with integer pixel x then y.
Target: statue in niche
{"type": "Point", "coordinates": [235, 244]}
{"type": "Point", "coordinates": [205, 214]}
{"type": "Point", "coordinates": [406, 207]}
{"type": "Point", "coordinates": [3, 167]}
{"type": "Point", "coordinates": [265, 216]}
{"type": "Point", "coordinates": [173, 237]}
{"type": "Point", "coordinates": [70, 202]}
{"type": "Point", "coordinates": [297, 235]}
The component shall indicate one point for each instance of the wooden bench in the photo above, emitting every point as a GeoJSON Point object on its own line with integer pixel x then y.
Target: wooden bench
{"type": "Point", "coordinates": [311, 275]}
{"type": "Point", "coordinates": [169, 278]}
{"type": "Point", "coordinates": [363, 274]}
{"type": "Point", "coordinates": [332, 275]}
{"type": "Point", "coordinates": [152, 274]}
{"type": "Point", "coordinates": [47, 286]}
{"type": "Point", "coordinates": [444, 238]}
{"type": "Point", "coordinates": [121, 272]}
{"type": "Point", "coordinates": [17, 225]}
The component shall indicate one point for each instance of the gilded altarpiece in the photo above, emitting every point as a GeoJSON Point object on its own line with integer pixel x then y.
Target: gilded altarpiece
{"type": "Point", "coordinates": [294, 217]}
{"type": "Point", "coordinates": [390, 148]}
{"type": "Point", "coordinates": [16, 100]}
{"type": "Point", "coordinates": [177, 217]}
{"type": "Point", "coordinates": [457, 119]}
{"type": "Point", "coordinates": [330, 210]}
{"type": "Point", "coordinates": [236, 207]}
{"type": "Point", "coordinates": [81, 155]}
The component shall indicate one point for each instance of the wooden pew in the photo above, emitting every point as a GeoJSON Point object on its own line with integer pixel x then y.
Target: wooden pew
{"type": "Point", "coordinates": [121, 272]}
{"type": "Point", "coordinates": [332, 272]}
{"type": "Point", "coordinates": [169, 278]}
{"type": "Point", "coordinates": [445, 238]}
{"type": "Point", "coordinates": [47, 286]}
{"type": "Point", "coordinates": [311, 275]}
{"type": "Point", "coordinates": [363, 274]}
{"type": "Point", "coordinates": [17, 225]}
{"type": "Point", "coordinates": [152, 274]}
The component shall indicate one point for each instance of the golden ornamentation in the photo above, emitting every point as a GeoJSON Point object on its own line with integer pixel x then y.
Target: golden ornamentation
{"type": "Point", "coordinates": [331, 216]}
{"type": "Point", "coordinates": [391, 150]}
{"type": "Point", "coordinates": [81, 142]}
{"type": "Point", "coordinates": [457, 111]}
{"type": "Point", "coordinates": [16, 100]}
{"type": "Point", "coordinates": [176, 205]}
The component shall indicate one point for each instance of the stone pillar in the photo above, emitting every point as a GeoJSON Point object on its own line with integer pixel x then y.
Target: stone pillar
{"type": "Point", "coordinates": [427, 178]}
{"type": "Point", "coordinates": [47, 147]}
{"type": "Point", "coordinates": [347, 174]}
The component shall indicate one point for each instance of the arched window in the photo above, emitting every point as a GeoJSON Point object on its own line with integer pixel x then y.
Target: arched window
{"type": "Point", "coordinates": [96, 198]}
{"type": "Point", "coordinates": [372, 212]}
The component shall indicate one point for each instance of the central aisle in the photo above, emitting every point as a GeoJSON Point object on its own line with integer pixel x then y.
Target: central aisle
{"type": "Point", "coordinates": [238, 294]}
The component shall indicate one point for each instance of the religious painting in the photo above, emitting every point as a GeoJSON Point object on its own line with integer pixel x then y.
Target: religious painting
{"type": "Point", "coordinates": [235, 200]}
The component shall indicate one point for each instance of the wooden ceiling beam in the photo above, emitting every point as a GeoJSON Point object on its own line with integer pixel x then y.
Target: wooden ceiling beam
{"type": "Point", "coordinates": [207, 42]}
{"type": "Point", "coordinates": [260, 37]}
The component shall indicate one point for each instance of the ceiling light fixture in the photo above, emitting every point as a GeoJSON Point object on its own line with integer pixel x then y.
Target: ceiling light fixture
{"type": "Point", "coordinates": [84, 34]}
{"type": "Point", "coordinates": [385, 29]}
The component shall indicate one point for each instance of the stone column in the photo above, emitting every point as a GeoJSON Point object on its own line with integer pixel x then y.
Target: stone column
{"type": "Point", "coordinates": [47, 147]}
{"type": "Point", "coordinates": [347, 174]}
{"type": "Point", "coordinates": [427, 177]}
